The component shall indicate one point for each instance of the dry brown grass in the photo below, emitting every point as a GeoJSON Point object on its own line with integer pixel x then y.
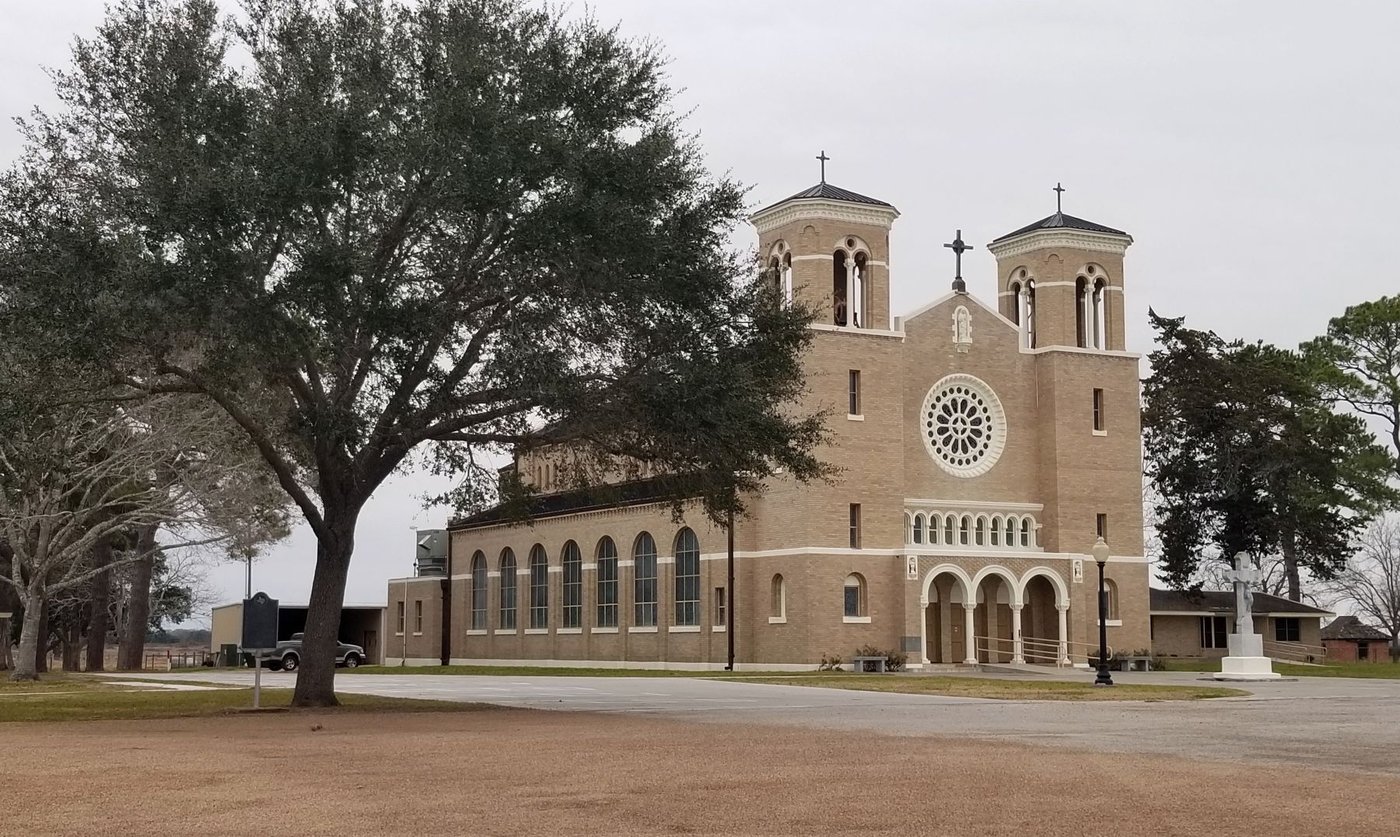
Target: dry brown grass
{"type": "Point", "coordinates": [515, 772]}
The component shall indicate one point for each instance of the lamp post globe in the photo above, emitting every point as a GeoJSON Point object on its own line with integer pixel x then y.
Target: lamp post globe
{"type": "Point", "coordinates": [1100, 553]}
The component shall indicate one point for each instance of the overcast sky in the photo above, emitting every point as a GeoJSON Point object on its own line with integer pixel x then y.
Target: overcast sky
{"type": "Point", "coordinates": [1250, 148]}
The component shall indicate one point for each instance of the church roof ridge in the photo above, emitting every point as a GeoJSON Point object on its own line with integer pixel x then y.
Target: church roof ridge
{"type": "Point", "coordinates": [827, 191]}
{"type": "Point", "coordinates": [1060, 220]}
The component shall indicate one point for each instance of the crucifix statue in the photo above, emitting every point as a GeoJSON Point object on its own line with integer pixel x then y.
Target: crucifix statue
{"type": "Point", "coordinates": [958, 247]}
{"type": "Point", "coordinates": [1243, 575]}
{"type": "Point", "coordinates": [1059, 190]}
{"type": "Point", "coordinates": [823, 158]}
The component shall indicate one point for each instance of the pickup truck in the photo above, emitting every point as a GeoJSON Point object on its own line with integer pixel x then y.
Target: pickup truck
{"type": "Point", "coordinates": [287, 655]}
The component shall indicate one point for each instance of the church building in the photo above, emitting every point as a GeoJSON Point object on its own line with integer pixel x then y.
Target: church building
{"type": "Point", "coordinates": [985, 444]}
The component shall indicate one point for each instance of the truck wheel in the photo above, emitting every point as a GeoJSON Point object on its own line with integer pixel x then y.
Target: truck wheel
{"type": "Point", "coordinates": [290, 662]}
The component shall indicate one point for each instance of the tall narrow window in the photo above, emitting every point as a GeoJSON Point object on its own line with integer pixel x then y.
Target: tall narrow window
{"type": "Point", "coordinates": [1025, 531]}
{"type": "Point", "coordinates": [948, 539]}
{"type": "Point", "coordinates": [965, 531]}
{"type": "Point", "coordinates": [854, 596]}
{"type": "Point", "coordinates": [720, 612]}
{"type": "Point", "coordinates": [644, 581]}
{"type": "Point", "coordinates": [855, 526]}
{"type": "Point", "coordinates": [479, 583]}
{"type": "Point", "coordinates": [1110, 589]}
{"type": "Point", "coordinates": [607, 583]}
{"type": "Point", "coordinates": [1082, 311]}
{"type": "Point", "coordinates": [860, 290]}
{"type": "Point", "coordinates": [1015, 290]}
{"type": "Point", "coordinates": [1099, 422]}
{"type": "Point", "coordinates": [1214, 632]}
{"type": "Point", "coordinates": [539, 587]}
{"type": "Point", "coordinates": [417, 616]}
{"type": "Point", "coordinates": [981, 532]}
{"type": "Point", "coordinates": [918, 528]}
{"type": "Point", "coordinates": [1101, 526]}
{"type": "Point", "coordinates": [1010, 531]}
{"type": "Point", "coordinates": [839, 275]}
{"type": "Point", "coordinates": [401, 619]}
{"type": "Point", "coordinates": [853, 392]}
{"type": "Point", "coordinates": [508, 587]}
{"type": "Point", "coordinates": [572, 560]}
{"type": "Point", "coordinates": [1100, 313]}
{"type": "Point", "coordinates": [687, 578]}
{"type": "Point", "coordinates": [777, 598]}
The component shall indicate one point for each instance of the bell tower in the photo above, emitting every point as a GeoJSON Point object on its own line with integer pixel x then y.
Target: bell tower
{"type": "Point", "coordinates": [1061, 281]}
{"type": "Point", "coordinates": [828, 248]}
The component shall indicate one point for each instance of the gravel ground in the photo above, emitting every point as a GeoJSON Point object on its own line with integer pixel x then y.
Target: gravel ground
{"type": "Point", "coordinates": [520, 772]}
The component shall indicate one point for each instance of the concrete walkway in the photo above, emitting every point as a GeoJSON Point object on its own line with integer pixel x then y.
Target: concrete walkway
{"type": "Point", "coordinates": [1331, 723]}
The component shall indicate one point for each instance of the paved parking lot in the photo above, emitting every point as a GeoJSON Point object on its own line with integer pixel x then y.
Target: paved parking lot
{"type": "Point", "coordinates": [1329, 723]}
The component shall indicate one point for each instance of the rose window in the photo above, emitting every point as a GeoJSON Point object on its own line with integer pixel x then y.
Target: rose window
{"type": "Point", "coordinates": [963, 426]}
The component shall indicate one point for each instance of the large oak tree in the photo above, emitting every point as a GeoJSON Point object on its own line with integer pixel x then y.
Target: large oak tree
{"type": "Point", "coordinates": [1247, 455]}
{"type": "Point", "coordinates": [376, 231]}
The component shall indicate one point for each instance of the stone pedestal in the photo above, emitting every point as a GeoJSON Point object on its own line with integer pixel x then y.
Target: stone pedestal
{"type": "Point", "coordinates": [1246, 660]}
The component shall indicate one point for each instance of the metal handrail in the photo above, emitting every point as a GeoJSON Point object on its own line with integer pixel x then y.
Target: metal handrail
{"type": "Point", "coordinates": [1295, 651]}
{"type": "Point", "coordinates": [1036, 646]}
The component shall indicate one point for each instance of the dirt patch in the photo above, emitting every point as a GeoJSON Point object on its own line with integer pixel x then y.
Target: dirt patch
{"type": "Point", "coordinates": [515, 772]}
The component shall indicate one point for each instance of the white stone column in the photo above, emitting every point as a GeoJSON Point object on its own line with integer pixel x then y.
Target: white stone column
{"type": "Point", "coordinates": [923, 630]}
{"type": "Point", "coordinates": [1064, 633]}
{"type": "Point", "coordinates": [1018, 654]}
{"type": "Point", "coordinates": [969, 614]}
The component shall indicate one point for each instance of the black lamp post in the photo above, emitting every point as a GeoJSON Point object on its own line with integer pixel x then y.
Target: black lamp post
{"type": "Point", "coordinates": [1100, 550]}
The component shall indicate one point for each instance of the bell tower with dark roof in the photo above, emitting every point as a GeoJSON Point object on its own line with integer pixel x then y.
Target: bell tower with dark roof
{"type": "Point", "coordinates": [1061, 281]}
{"type": "Point", "coordinates": [828, 247]}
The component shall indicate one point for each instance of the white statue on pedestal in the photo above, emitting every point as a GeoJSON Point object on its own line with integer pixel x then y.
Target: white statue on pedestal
{"type": "Point", "coordinates": [1246, 660]}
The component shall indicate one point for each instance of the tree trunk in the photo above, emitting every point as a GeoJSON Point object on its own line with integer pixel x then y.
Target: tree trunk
{"type": "Point", "coordinates": [7, 660]}
{"type": "Point", "coordinates": [1288, 545]}
{"type": "Point", "coordinates": [71, 639]}
{"type": "Point", "coordinates": [27, 661]}
{"type": "Point", "coordinates": [100, 594]}
{"type": "Point", "coordinates": [133, 641]}
{"type": "Point", "coordinates": [316, 677]}
{"type": "Point", "coordinates": [41, 651]}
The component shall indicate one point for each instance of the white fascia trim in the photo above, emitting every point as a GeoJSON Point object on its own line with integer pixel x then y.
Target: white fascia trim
{"type": "Point", "coordinates": [802, 209]}
{"type": "Point", "coordinates": [683, 629]}
{"type": "Point", "coordinates": [413, 580]}
{"type": "Point", "coordinates": [1231, 613]}
{"type": "Point", "coordinates": [617, 664]}
{"type": "Point", "coordinates": [827, 258]}
{"type": "Point", "coordinates": [856, 620]}
{"type": "Point", "coordinates": [978, 553]}
{"type": "Point", "coordinates": [809, 550]}
{"type": "Point", "coordinates": [923, 309]}
{"type": "Point", "coordinates": [1093, 242]}
{"type": "Point", "coordinates": [1075, 350]}
{"type": "Point", "coordinates": [870, 332]}
{"type": "Point", "coordinates": [972, 505]}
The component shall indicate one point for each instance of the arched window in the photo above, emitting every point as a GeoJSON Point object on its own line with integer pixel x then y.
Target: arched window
{"type": "Point", "coordinates": [840, 306]}
{"type": "Point", "coordinates": [1010, 539]}
{"type": "Point", "coordinates": [981, 539]}
{"type": "Point", "coordinates": [572, 560]}
{"type": "Point", "coordinates": [644, 581]}
{"type": "Point", "coordinates": [996, 530]}
{"type": "Point", "coordinates": [860, 290]}
{"type": "Point", "coordinates": [479, 583]}
{"type": "Point", "coordinates": [1025, 531]}
{"type": "Point", "coordinates": [780, 271]}
{"type": "Point", "coordinates": [1015, 289]}
{"type": "Point", "coordinates": [777, 599]}
{"type": "Point", "coordinates": [539, 587]}
{"type": "Point", "coordinates": [1083, 312]}
{"type": "Point", "coordinates": [1030, 314]}
{"type": "Point", "coordinates": [948, 524]}
{"type": "Point", "coordinates": [1110, 589]}
{"type": "Point", "coordinates": [687, 578]}
{"type": "Point", "coordinates": [1100, 313]}
{"type": "Point", "coordinates": [508, 581]}
{"type": "Point", "coordinates": [935, 528]}
{"type": "Point", "coordinates": [918, 528]}
{"type": "Point", "coordinates": [607, 583]}
{"type": "Point", "coordinates": [855, 605]}
{"type": "Point", "coordinates": [965, 530]}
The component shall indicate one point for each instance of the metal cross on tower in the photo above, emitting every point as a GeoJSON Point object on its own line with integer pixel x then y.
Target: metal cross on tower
{"type": "Point", "coordinates": [1058, 191]}
{"type": "Point", "coordinates": [823, 158]}
{"type": "Point", "coordinates": [958, 246]}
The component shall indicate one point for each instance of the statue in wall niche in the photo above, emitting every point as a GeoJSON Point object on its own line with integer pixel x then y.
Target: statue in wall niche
{"type": "Point", "coordinates": [962, 328]}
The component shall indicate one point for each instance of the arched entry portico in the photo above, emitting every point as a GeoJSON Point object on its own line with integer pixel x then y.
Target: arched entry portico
{"type": "Point", "coordinates": [997, 618]}
{"type": "Point", "coordinates": [947, 623]}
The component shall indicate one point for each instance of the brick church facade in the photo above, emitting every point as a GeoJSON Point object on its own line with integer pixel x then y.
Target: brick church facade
{"type": "Point", "coordinates": [984, 446]}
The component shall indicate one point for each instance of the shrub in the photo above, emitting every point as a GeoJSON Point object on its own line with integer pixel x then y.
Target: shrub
{"type": "Point", "coordinates": [894, 660]}
{"type": "Point", "coordinates": [830, 662]}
